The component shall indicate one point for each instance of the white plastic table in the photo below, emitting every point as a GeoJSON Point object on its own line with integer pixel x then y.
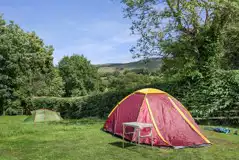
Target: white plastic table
{"type": "Point", "coordinates": [137, 127]}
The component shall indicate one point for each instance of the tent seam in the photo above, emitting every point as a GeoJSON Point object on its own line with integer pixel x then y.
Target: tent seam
{"type": "Point", "coordinates": [155, 126]}
{"type": "Point", "coordinates": [139, 110]}
{"type": "Point", "coordinates": [190, 124]}
{"type": "Point", "coordinates": [120, 103]}
{"type": "Point", "coordinates": [183, 107]}
{"type": "Point", "coordinates": [141, 105]}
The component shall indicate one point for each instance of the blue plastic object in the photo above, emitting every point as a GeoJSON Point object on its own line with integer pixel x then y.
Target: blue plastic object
{"type": "Point", "coordinates": [222, 130]}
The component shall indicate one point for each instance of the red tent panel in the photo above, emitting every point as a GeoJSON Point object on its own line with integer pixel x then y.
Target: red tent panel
{"type": "Point", "coordinates": [145, 117]}
{"type": "Point", "coordinates": [172, 126]}
{"type": "Point", "coordinates": [127, 111]}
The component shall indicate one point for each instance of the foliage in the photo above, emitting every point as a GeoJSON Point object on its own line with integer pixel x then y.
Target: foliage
{"type": "Point", "coordinates": [231, 45]}
{"type": "Point", "coordinates": [196, 40]}
{"type": "Point", "coordinates": [195, 44]}
{"type": "Point", "coordinates": [143, 71]}
{"type": "Point", "coordinates": [25, 62]}
{"type": "Point", "coordinates": [80, 77]}
{"type": "Point", "coordinates": [47, 84]}
{"type": "Point", "coordinates": [204, 97]}
{"type": "Point", "coordinates": [128, 80]}
{"type": "Point", "coordinates": [97, 105]}
{"type": "Point", "coordinates": [188, 32]}
{"type": "Point", "coordinates": [134, 78]}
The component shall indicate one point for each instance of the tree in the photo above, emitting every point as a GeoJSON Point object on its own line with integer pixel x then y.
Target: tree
{"type": "Point", "coordinates": [23, 57]}
{"type": "Point", "coordinates": [188, 32]}
{"type": "Point", "coordinates": [144, 71]}
{"type": "Point", "coordinates": [231, 46]}
{"type": "Point", "coordinates": [50, 84]}
{"type": "Point", "coordinates": [197, 40]}
{"type": "Point", "coordinates": [79, 76]}
{"type": "Point", "coordinates": [128, 80]}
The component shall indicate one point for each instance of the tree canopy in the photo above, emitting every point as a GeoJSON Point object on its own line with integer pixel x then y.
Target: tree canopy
{"type": "Point", "coordinates": [80, 77]}
{"type": "Point", "coordinates": [25, 62]}
{"type": "Point", "coordinates": [197, 41]}
{"type": "Point", "coordinates": [195, 33]}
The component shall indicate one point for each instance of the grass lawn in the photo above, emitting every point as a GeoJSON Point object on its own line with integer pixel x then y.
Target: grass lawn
{"type": "Point", "coordinates": [83, 139]}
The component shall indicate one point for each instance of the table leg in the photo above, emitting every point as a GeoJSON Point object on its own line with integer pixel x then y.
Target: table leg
{"type": "Point", "coordinates": [133, 137]}
{"type": "Point", "coordinates": [123, 136]}
{"type": "Point", "coordinates": [138, 135]}
{"type": "Point", "coordinates": [151, 130]}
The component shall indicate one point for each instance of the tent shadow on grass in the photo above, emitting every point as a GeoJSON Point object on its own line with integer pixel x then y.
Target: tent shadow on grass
{"type": "Point", "coordinates": [119, 144]}
{"type": "Point", "coordinates": [127, 143]}
{"type": "Point", "coordinates": [132, 147]}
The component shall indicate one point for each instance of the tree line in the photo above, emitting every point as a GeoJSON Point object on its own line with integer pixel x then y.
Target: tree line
{"type": "Point", "coordinates": [197, 41]}
{"type": "Point", "coordinates": [27, 70]}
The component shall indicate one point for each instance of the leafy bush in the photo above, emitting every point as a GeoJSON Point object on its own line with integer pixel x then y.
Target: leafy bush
{"type": "Point", "coordinates": [202, 97]}
{"type": "Point", "coordinates": [128, 80]}
{"type": "Point", "coordinates": [79, 75]}
{"type": "Point", "coordinates": [26, 68]}
{"type": "Point", "coordinates": [97, 105]}
{"type": "Point", "coordinates": [205, 96]}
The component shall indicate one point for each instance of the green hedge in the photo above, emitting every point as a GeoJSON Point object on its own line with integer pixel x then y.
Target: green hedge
{"type": "Point", "coordinates": [201, 98]}
{"type": "Point", "coordinates": [98, 105]}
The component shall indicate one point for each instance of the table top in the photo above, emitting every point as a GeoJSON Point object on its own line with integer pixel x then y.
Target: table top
{"type": "Point", "coordinates": [138, 124]}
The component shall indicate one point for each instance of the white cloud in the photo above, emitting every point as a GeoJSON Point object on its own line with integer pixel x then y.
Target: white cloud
{"type": "Point", "coordinates": [94, 51]}
{"type": "Point", "coordinates": [103, 42]}
{"type": "Point", "coordinates": [125, 37]}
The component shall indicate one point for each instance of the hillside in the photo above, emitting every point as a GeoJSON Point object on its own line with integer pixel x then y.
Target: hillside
{"type": "Point", "coordinates": [151, 64]}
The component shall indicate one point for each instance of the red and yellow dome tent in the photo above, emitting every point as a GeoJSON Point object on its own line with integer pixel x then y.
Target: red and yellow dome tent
{"type": "Point", "coordinates": [173, 124]}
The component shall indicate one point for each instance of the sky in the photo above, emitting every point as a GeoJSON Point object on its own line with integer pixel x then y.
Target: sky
{"type": "Point", "coordinates": [94, 28]}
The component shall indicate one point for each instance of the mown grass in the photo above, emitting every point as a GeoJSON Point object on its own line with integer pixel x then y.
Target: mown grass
{"type": "Point", "coordinates": [83, 139]}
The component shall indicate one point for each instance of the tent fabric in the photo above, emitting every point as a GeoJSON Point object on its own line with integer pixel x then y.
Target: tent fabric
{"type": "Point", "coordinates": [173, 124]}
{"type": "Point", "coordinates": [43, 115]}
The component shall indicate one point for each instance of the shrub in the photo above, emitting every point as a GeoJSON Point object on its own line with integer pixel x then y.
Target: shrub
{"type": "Point", "coordinates": [202, 98]}
{"type": "Point", "coordinates": [97, 105]}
